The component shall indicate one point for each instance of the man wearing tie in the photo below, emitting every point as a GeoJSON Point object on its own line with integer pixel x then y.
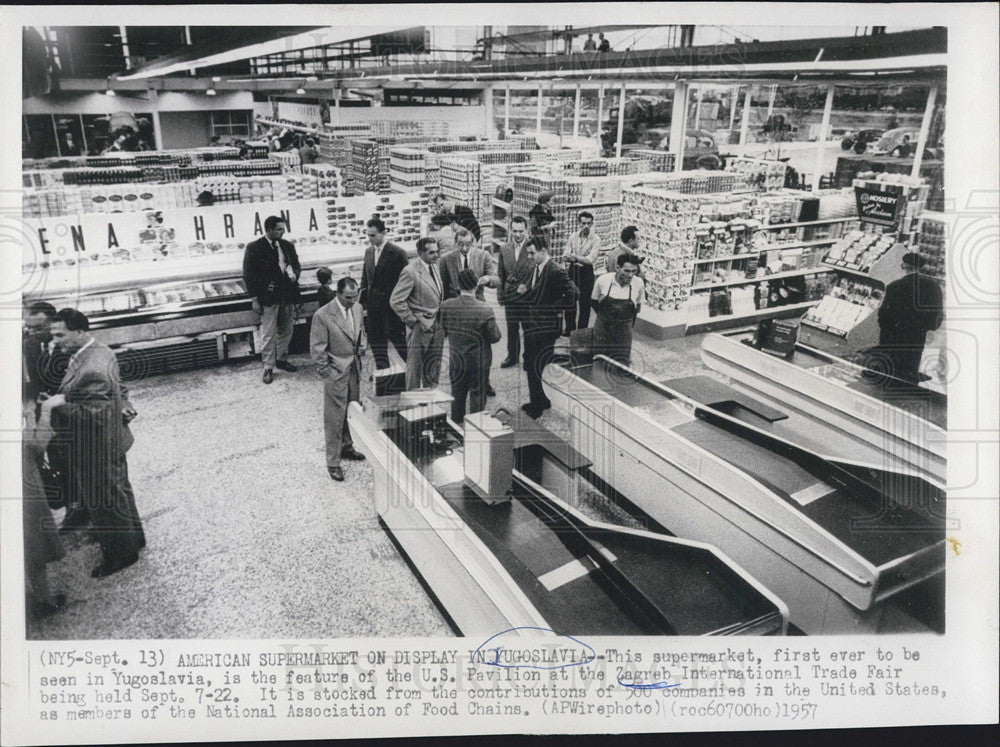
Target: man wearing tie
{"type": "Point", "coordinates": [480, 262]}
{"type": "Point", "coordinates": [416, 300]}
{"type": "Point", "coordinates": [271, 275]}
{"type": "Point", "coordinates": [384, 261]}
{"type": "Point", "coordinates": [513, 270]}
{"type": "Point", "coordinates": [549, 293]}
{"type": "Point", "coordinates": [336, 348]}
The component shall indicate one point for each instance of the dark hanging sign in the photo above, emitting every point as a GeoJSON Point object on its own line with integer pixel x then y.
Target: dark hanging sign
{"type": "Point", "coordinates": [880, 205]}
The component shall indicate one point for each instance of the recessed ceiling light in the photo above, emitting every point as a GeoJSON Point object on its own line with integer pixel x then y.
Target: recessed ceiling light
{"type": "Point", "coordinates": [109, 92]}
{"type": "Point", "coordinates": [216, 79]}
{"type": "Point", "coordinates": [210, 92]}
{"type": "Point", "coordinates": [300, 91]}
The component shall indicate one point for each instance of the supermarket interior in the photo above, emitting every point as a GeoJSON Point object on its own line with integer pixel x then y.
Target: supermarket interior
{"type": "Point", "coordinates": [751, 440]}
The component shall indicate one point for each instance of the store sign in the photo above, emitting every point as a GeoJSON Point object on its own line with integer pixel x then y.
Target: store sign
{"type": "Point", "coordinates": [879, 205]}
{"type": "Point", "coordinates": [103, 232]}
{"type": "Point", "coordinates": [244, 222]}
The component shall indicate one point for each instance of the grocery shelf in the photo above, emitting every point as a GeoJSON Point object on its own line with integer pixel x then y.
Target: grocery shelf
{"type": "Point", "coordinates": [849, 270]}
{"type": "Point", "coordinates": [763, 278]}
{"type": "Point", "coordinates": [821, 222]}
{"type": "Point", "coordinates": [709, 324]}
{"type": "Point", "coordinates": [593, 204]}
{"type": "Point", "coordinates": [800, 245]}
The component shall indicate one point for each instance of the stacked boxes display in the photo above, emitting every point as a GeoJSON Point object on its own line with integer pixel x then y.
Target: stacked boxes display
{"type": "Point", "coordinates": [930, 240]}
{"type": "Point", "coordinates": [666, 221]}
{"type": "Point", "coordinates": [659, 160]}
{"type": "Point", "coordinates": [700, 182]}
{"type": "Point", "coordinates": [607, 167]}
{"type": "Point", "coordinates": [289, 161]}
{"type": "Point", "coordinates": [417, 167]}
{"type": "Point", "coordinates": [330, 181]}
{"type": "Point", "coordinates": [404, 216]}
{"type": "Point", "coordinates": [764, 175]}
{"type": "Point", "coordinates": [473, 179]}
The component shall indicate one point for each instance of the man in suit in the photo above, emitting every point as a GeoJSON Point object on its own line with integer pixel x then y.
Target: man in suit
{"type": "Point", "coordinates": [464, 216]}
{"type": "Point", "coordinates": [912, 307]}
{"type": "Point", "coordinates": [271, 275]}
{"type": "Point", "coordinates": [90, 406]}
{"type": "Point", "coordinates": [416, 300]}
{"type": "Point", "coordinates": [549, 293]}
{"type": "Point", "coordinates": [513, 270]}
{"type": "Point", "coordinates": [384, 261]}
{"type": "Point", "coordinates": [628, 244]}
{"type": "Point", "coordinates": [480, 262]}
{"type": "Point", "coordinates": [336, 348]}
{"type": "Point", "coordinates": [471, 329]}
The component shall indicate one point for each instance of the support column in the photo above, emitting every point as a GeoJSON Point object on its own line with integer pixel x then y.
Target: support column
{"type": "Point", "coordinates": [732, 106]}
{"type": "Point", "coordinates": [336, 105]}
{"type": "Point", "coordinates": [824, 134]}
{"type": "Point", "coordinates": [600, 119]}
{"type": "Point", "coordinates": [576, 114]}
{"type": "Point", "coordinates": [697, 107]}
{"type": "Point", "coordinates": [538, 114]}
{"type": "Point", "coordinates": [621, 122]}
{"type": "Point", "coordinates": [678, 123]}
{"type": "Point", "coordinates": [925, 126]}
{"type": "Point", "coordinates": [490, 127]}
{"type": "Point", "coordinates": [770, 100]}
{"type": "Point", "coordinates": [506, 112]}
{"type": "Point", "coordinates": [155, 105]}
{"type": "Point", "coordinates": [745, 123]}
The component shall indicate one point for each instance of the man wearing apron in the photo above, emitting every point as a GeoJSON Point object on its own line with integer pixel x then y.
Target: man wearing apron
{"type": "Point", "coordinates": [617, 298]}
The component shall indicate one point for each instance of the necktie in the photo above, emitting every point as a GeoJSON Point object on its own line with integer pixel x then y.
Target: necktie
{"type": "Point", "coordinates": [534, 276]}
{"type": "Point", "coordinates": [434, 277]}
{"type": "Point", "coordinates": [465, 261]}
{"type": "Point", "coordinates": [282, 264]}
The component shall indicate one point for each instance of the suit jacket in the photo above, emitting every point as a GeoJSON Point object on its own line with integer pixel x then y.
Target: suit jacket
{"type": "Point", "coordinates": [470, 326]}
{"type": "Point", "coordinates": [467, 219]}
{"type": "Point", "coordinates": [262, 274]}
{"type": "Point", "coordinates": [512, 273]}
{"type": "Point", "coordinates": [333, 345]}
{"type": "Point", "coordinates": [44, 369]}
{"type": "Point", "coordinates": [416, 294]}
{"type": "Point", "coordinates": [549, 298]}
{"type": "Point", "coordinates": [92, 413]}
{"type": "Point", "coordinates": [481, 262]}
{"type": "Point", "coordinates": [911, 307]}
{"type": "Point", "coordinates": [378, 282]}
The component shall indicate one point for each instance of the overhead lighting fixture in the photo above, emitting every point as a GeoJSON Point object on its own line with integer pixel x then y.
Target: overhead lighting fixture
{"type": "Point", "coordinates": [216, 79]}
{"type": "Point", "coordinates": [109, 92]}
{"type": "Point", "coordinates": [300, 91]}
{"type": "Point", "coordinates": [311, 79]}
{"type": "Point", "coordinates": [210, 92]}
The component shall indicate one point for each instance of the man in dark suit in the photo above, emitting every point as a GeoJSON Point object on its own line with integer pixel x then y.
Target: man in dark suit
{"type": "Point", "coordinates": [44, 363]}
{"type": "Point", "coordinates": [336, 347]}
{"type": "Point", "coordinates": [271, 275]}
{"type": "Point", "coordinates": [912, 307]}
{"type": "Point", "coordinates": [324, 294]}
{"type": "Point", "coordinates": [464, 216]}
{"type": "Point", "coordinates": [549, 293]}
{"type": "Point", "coordinates": [513, 270]}
{"type": "Point", "coordinates": [471, 330]}
{"type": "Point", "coordinates": [383, 263]}
{"type": "Point", "coordinates": [89, 406]}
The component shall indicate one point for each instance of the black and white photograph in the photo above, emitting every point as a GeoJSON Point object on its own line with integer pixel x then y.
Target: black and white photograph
{"type": "Point", "coordinates": [488, 365]}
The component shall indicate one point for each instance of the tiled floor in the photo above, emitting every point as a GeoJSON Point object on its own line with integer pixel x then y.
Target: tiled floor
{"type": "Point", "coordinates": [248, 536]}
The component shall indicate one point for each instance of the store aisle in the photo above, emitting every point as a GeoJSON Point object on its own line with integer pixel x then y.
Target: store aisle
{"type": "Point", "coordinates": [248, 536]}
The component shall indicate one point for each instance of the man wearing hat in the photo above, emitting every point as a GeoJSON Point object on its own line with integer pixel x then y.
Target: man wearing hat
{"type": "Point", "coordinates": [471, 329]}
{"type": "Point", "coordinates": [912, 307]}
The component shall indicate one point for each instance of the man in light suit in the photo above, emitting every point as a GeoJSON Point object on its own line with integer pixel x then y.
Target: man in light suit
{"type": "Point", "coordinates": [271, 272]}
{"type": "Point", "coordinates": [336, 348]}
{"type": "Point", "coordinates": [468, 257]}
{"type": "Point", "coordinates": [416, 299]}
{"type": "Point", "coordinates": [513, 270]}
{"type": "Point", "coordinates": [90, 406]}
{"type": "Point", "coordinates": [384, 261]}
{"type": "Point", "coordinates": [480, 262]}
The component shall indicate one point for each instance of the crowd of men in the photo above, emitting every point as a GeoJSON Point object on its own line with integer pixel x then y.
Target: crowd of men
{"type": "Point", "coordinates": [414, 306]}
